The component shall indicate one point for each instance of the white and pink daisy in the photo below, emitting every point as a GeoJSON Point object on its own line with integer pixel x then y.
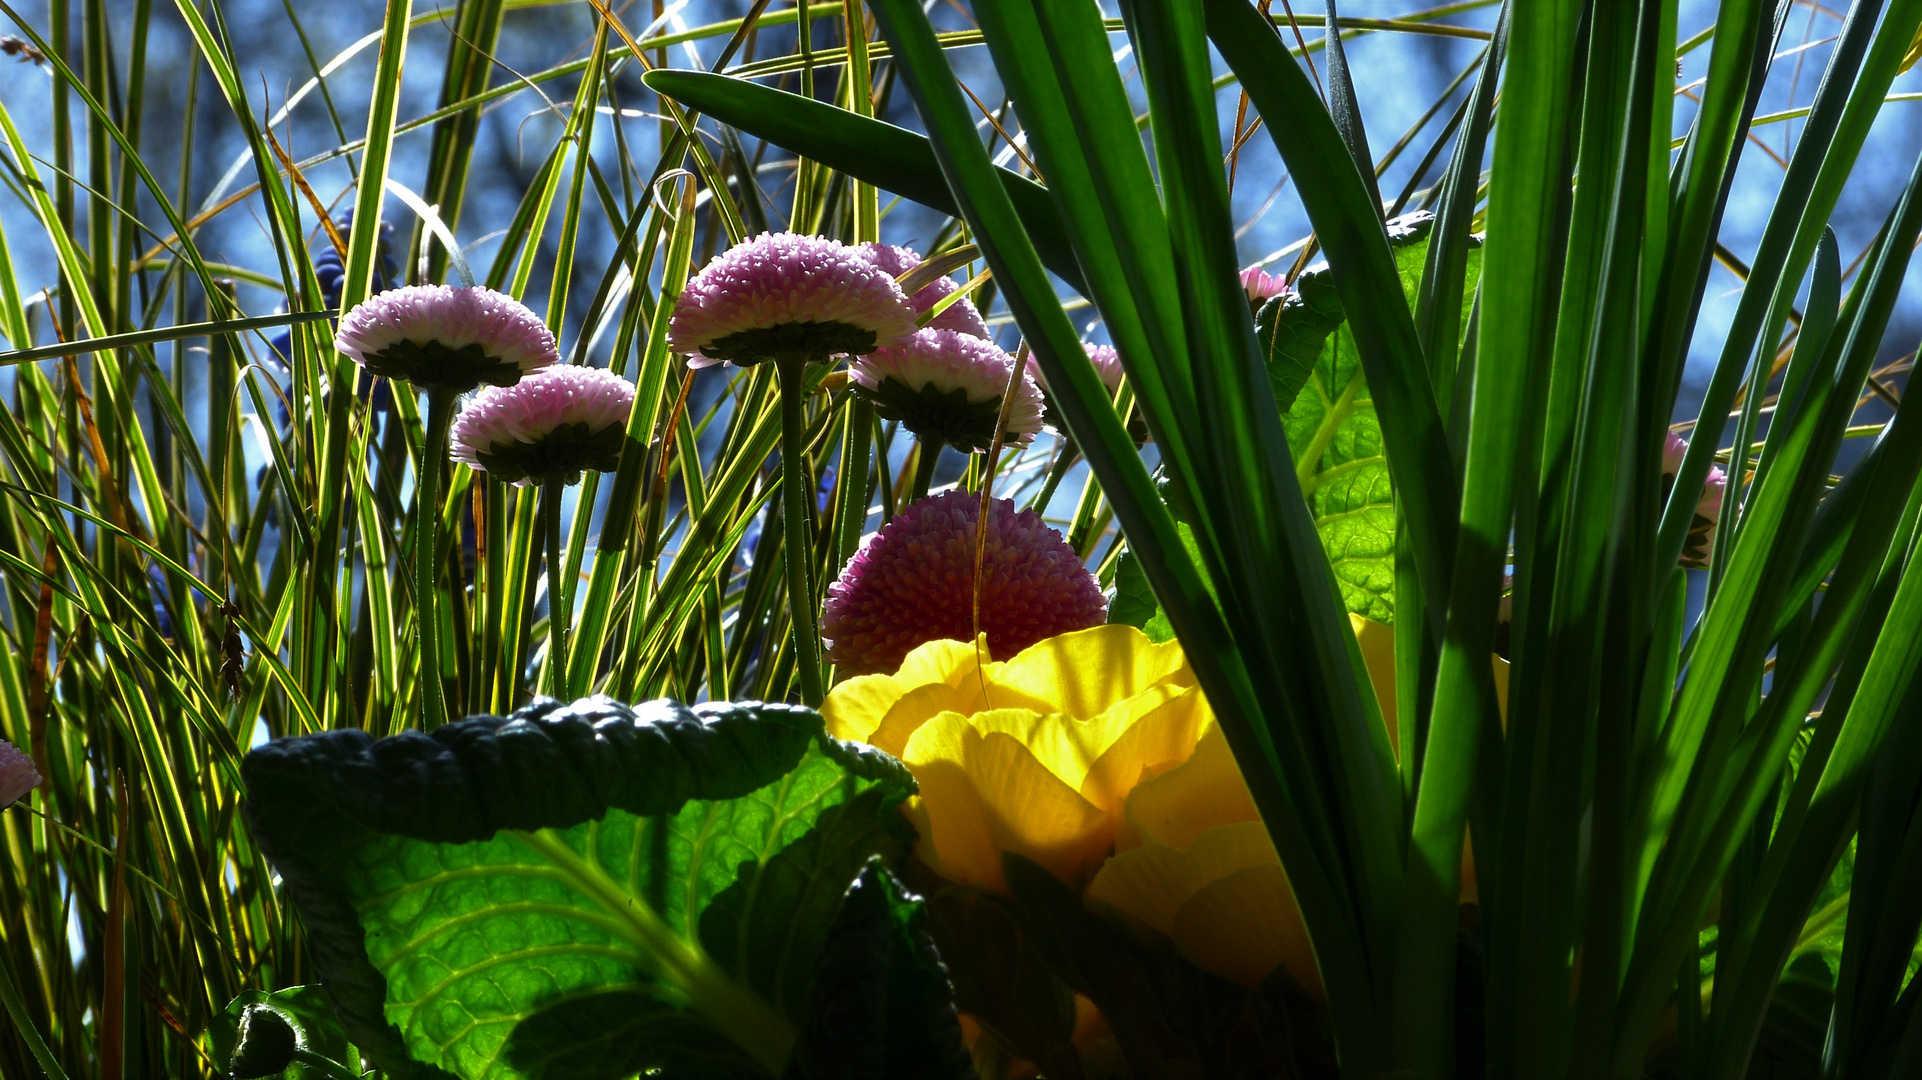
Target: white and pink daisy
{"type": "Point", "coordinates": [17, 774]}
{"type": "Point", "coordinates": [1673, 448]}
{"type": "Point", "coordinates": [1699, 548]}
{"type": "Point", "coordinates": [961, 316]}
{"type": "Point", "coordinates": [1700, 545]}
{"type": "Point", "coordinates": [446, 337]}
{"type": "Point", "coordinates": [946, 387]}
{"type": "Point", "coordinates": [788, 297]}
{"type": "Point", "coordinates": [551, 425]}
{"type": "Point", "coordinates": [913, 582]}
{"type": "Point", "coordinates": [1261, 286]}
{"type": "Point", "coordinates": [1107, 364]}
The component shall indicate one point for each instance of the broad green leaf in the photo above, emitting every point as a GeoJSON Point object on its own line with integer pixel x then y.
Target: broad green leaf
{"type": "Point", "coordinates": [1335, 438]}
{"type": "Point", "coordinates": [1158, 627]}
{"type": "Point", "coordinates": [302, 1019]}
{"type": "Point", "coordinates": [1131, 602]}
{"type": "Point", "coordinates": [1291, 330]}
{"type": "Point", "coordinates": [1335, 435]}
{"type": "Point", "coordinates": [579, 890]}
{"type": "Point", "coordinates": [883, 1006]}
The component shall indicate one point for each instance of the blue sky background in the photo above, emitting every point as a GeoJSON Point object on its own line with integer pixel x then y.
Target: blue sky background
{"type": "Point", "coordinates": [1398, 78]}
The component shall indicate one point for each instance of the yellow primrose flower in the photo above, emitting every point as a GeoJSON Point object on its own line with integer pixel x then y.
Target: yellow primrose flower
{"type": "Point", "coordinates": [1034, 755]}
{"type": "Point", "coordinates": [1095, 754]}
{"type": "Point", "coordinates": [1194, 862]}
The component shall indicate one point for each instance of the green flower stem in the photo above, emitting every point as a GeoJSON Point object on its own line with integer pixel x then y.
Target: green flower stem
{"type": "Point", "coordinates": [560, 607]}
{"type": "Point", "coordinates": [1064, 460]}
{"type": "Point", "coordinates": [433, 453]}
{"type": "Point", "coordinates": [17, 1010]}
{"type": "Point", "coordinates": [926, 458]}
{"type": "Point", "coordinates": [795, 489]}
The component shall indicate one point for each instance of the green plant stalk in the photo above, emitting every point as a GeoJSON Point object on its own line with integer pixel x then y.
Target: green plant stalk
{"type": "Point", "coordinates": [1516, 281]}
{"type": "Point", "coordinates": [795, 491]}
{"type": "Point", "coordinates": [926, 456]}
{"type": "Point", "coordinates": [17, 1010]}
{"type": "Point", "coordinates": [1012, 254]}
{"type": "Point", "coordinates": [440, 418]}
{"type": "Point", "coordinates": [560, 608]}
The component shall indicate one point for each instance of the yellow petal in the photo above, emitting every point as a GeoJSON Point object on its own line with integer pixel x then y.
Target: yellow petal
{"type": "Point", "coordinates": [1244, 926]}
{"type": "Point", "coordinates": [1378, 655]}
{"type": "Point", "coordinates": [1157, 731]}
{"type": "Point", "coordinates": [941, 661]}
{"type": "Point", "coordinates": [1152, 883]}
{"type": "Point", "coordinates": [1086, 672]}
{"type": "Point", "coordinates": [1201, 793]}
{"type": "Point", "coordinates": [917, 707]}
{"type": "Point", "coordinates": [1149, 883]}
{"type": "Point", "coordinates": [983, 793]}
{"type": "Point", "coordinates": [854, 708]}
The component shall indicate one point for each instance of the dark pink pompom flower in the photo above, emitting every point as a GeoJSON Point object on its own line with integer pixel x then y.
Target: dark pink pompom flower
{"type": "Point", "coordinates": [961, 316]}
{"type": "Point", "coordinates": [913, 583]}
{"type": "Point", "coordinates": [784, 296]}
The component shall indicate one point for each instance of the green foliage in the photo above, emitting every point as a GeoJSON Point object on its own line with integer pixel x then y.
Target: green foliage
{"type": "Point", "coordinates": [184, 571]}
{"type": "Point", "coordinates": [290, 1033]}
{"type": "Point", "coordinates": [577, 891]}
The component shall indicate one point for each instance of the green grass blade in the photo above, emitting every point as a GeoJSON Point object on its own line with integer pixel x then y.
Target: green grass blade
{"type": "Point", "coordinates": [891, 158]}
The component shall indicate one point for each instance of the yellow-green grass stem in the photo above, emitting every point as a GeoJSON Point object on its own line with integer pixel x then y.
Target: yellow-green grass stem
{"type": "Point", "coordinates": [440, 418]}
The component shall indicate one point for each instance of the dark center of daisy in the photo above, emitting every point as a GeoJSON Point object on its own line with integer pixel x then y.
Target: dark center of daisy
{"type": "Point", "coordinates": [431, 365]}
{"type": "Point", "coordinates": [936, 416]}
{"type": "Point", "coordinates": [809, 342]}
{"type": "Point", "coordinates": [562, 455]}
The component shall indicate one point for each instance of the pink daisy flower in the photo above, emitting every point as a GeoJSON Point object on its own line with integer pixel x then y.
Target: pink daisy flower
{"type": "Point", "coordinates": [961, 316]}
{"type": "Point", "coordinates": [1672, 450]}
{"type": "Point", "coordinates": [1261, 286]}
{"type": "Point", "coordinates": [1699, 548]}
{"type": "Point", "coordinates": [551, 425]}
{"type": "Point", "coordinates": [444, 337]}
{"type": "Point", "coordinates": [1700, 544]}
{"type": "Point", "coordinates": [1107, 364]}
{"type": "Point", "coordinates": [912, 583]}
{"type": "Point", "coordinates": [946, 387]}
{"type": "Point", "coordinates": [17, 774]}
{"type": "Point", "coordinates": [1106, 361]}
{"type": "Point", "coordinates": [783, 296]}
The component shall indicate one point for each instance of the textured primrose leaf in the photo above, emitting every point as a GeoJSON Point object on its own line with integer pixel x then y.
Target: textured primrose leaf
{"type": "Point", "coordinates": [584, 891]}
{"type": "Point", "coordinates": [1335, 438]}
{"type": "Point", "coordinates": [1158, 627]}
{"type": "Point", "coordinates": [883, 1005]}
{"type": "Point", "coordinates": [1291, 330]}
{"type": "Point", "coordinates": [1131, 600]}
{"type": "Point", "coordinates": [307, 1016]}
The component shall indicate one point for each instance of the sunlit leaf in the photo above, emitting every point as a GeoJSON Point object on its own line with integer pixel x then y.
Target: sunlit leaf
{"type": "Point", "coordinates": [576, 891]}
